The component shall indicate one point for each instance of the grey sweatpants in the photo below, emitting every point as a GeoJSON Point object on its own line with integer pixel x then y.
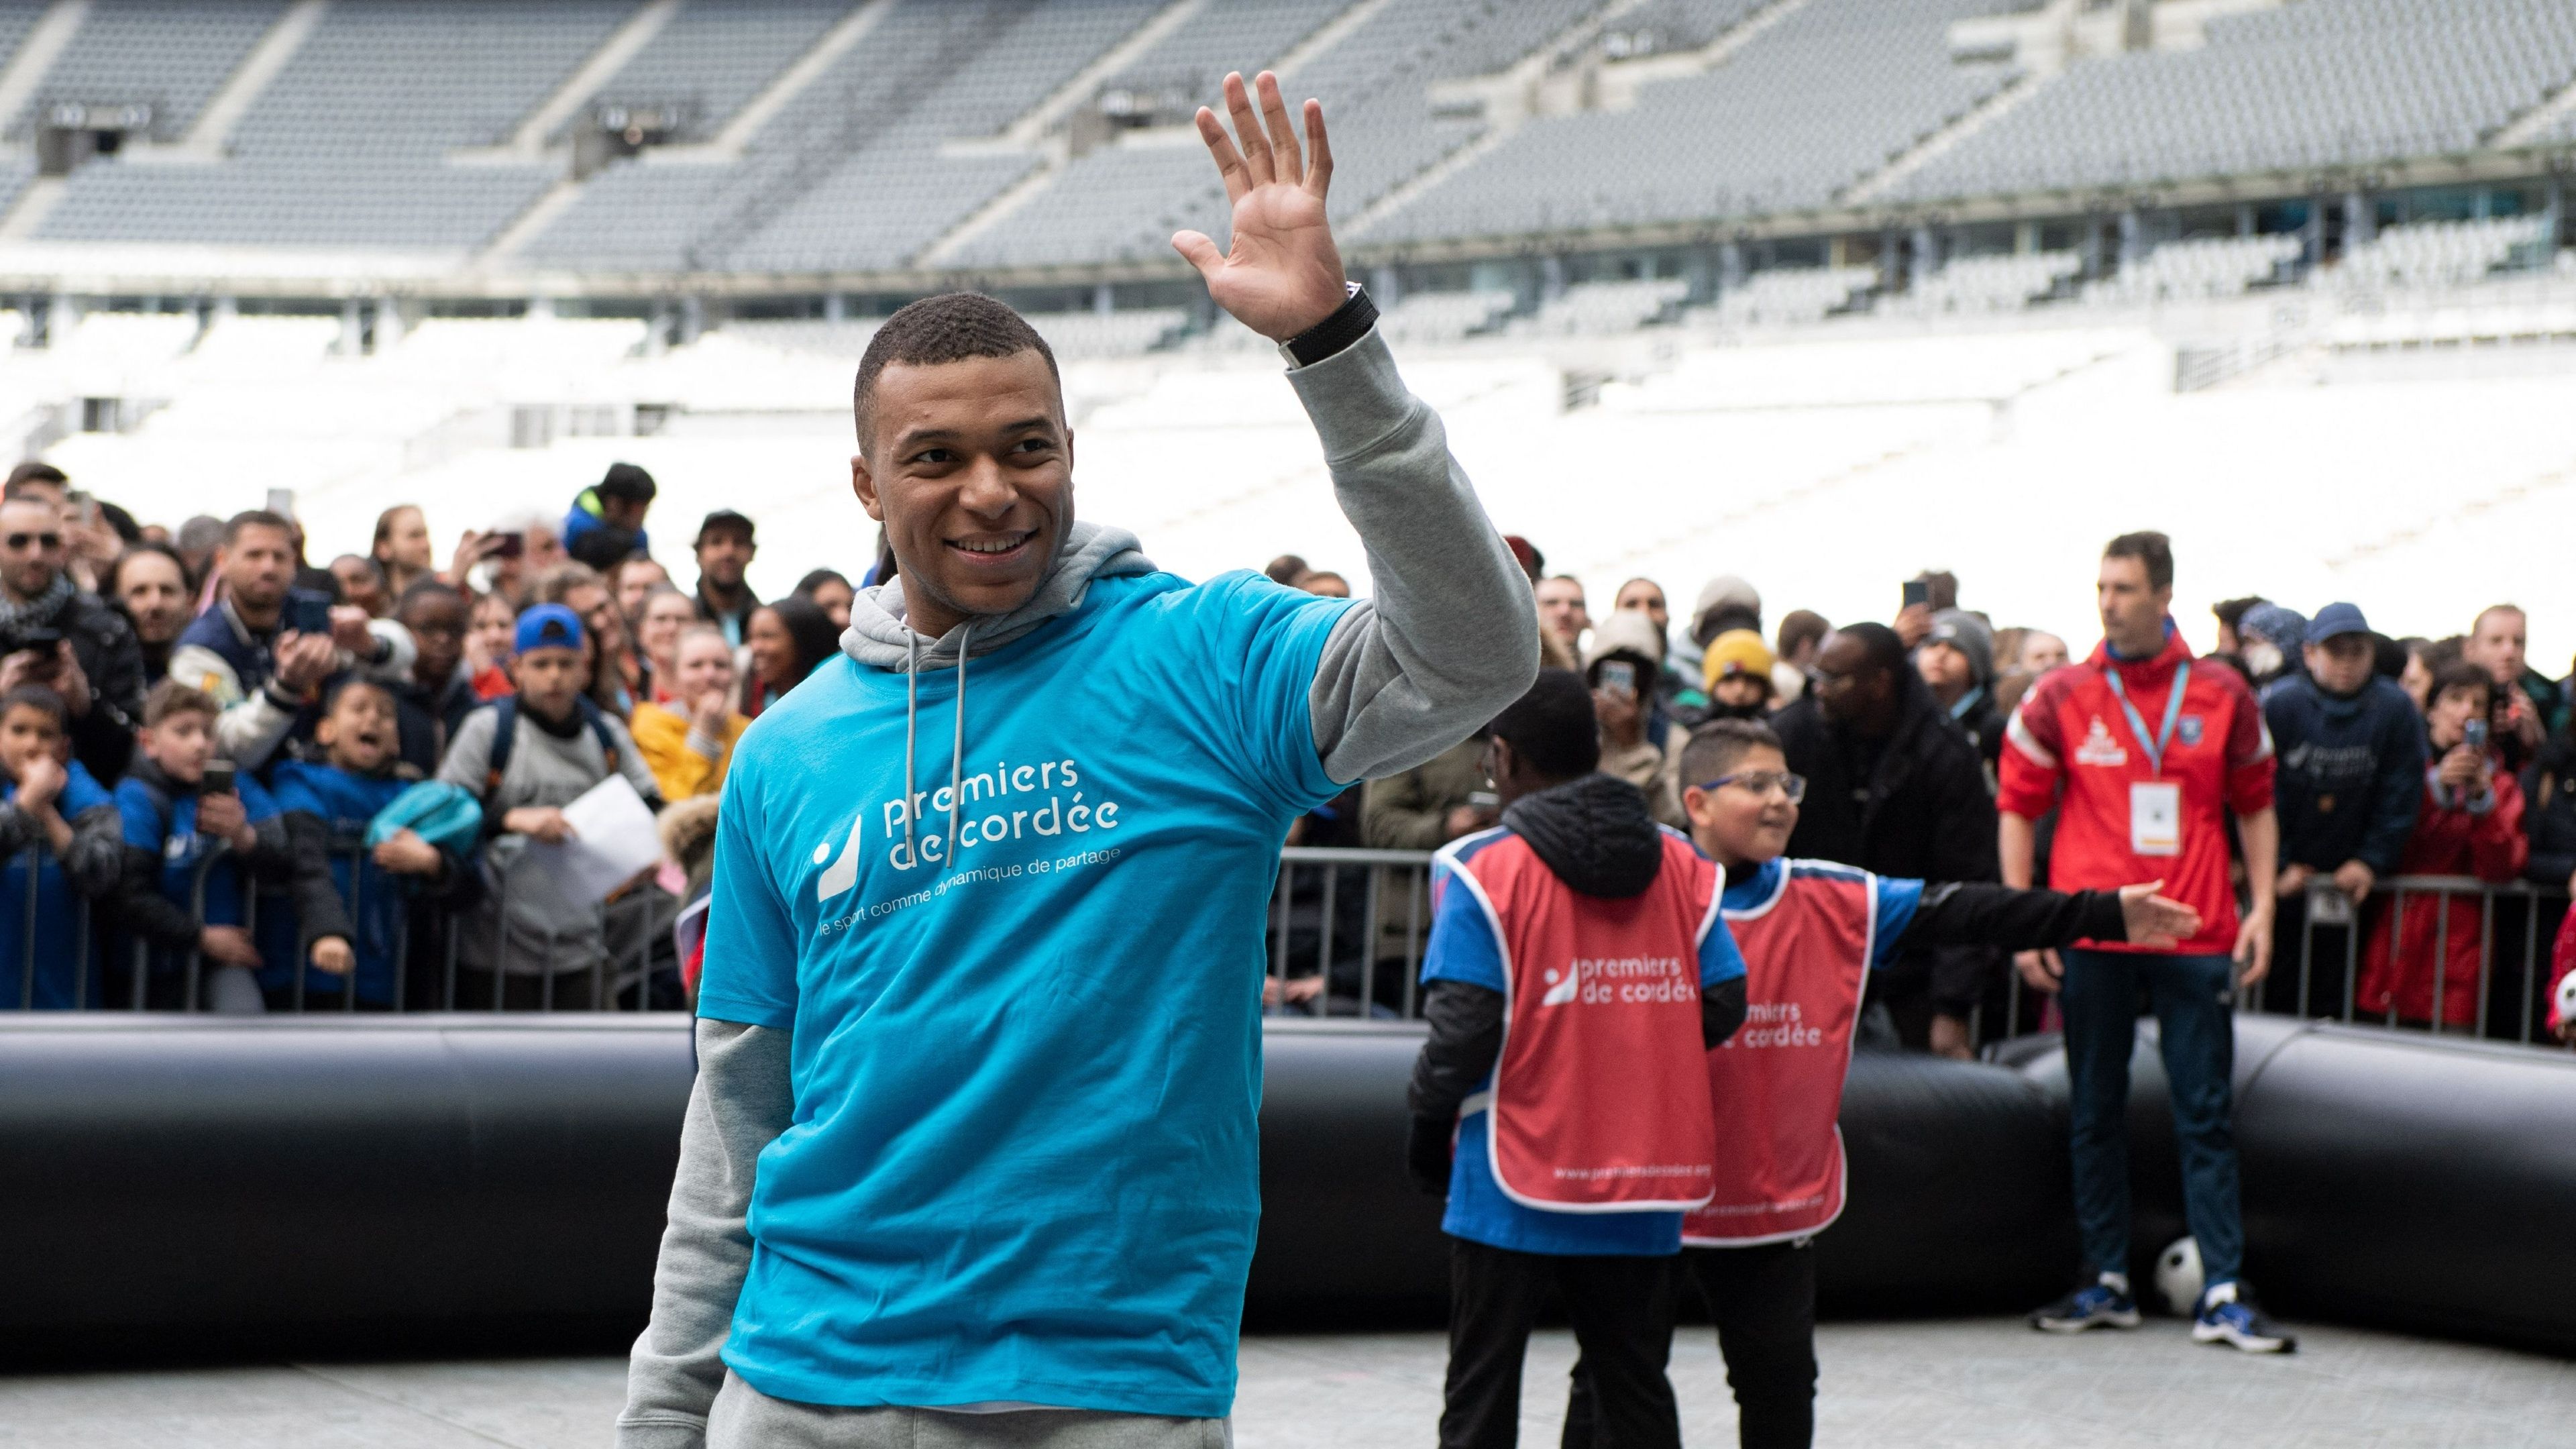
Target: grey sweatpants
{"type": "Point", "coordinates": [745, 1418]}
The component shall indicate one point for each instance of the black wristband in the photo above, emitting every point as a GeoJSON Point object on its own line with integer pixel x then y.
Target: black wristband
{"type": "Point", "coordinates": [1349, 323]}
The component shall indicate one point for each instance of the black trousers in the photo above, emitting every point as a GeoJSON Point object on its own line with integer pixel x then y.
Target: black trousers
{"type": "Point", "coordinates": [1764, 1301]}
{"type": "Point", "coordinates": [1622, 1312]}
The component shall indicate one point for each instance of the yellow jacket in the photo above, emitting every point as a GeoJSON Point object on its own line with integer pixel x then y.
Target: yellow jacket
{"type": "Point", "coordinates": [662, 738]}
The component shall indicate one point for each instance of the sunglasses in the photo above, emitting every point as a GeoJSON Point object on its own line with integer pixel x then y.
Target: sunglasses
{"type": "Point", "coordinates": [18, 542]}
{"type": "Point", "coordinates": [1763, 782]}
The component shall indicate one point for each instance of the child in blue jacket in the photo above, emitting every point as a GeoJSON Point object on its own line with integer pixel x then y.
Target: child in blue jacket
{"type": "Point", "coordinates": [58, 832]}
{"type": "Point", "coordinates": [180, 830]}
{"type": "Point", "coordinates": [353, 904]}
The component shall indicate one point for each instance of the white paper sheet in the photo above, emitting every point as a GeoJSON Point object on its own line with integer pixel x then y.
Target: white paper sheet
{"type": "Point", "coordinates": [613, 840]}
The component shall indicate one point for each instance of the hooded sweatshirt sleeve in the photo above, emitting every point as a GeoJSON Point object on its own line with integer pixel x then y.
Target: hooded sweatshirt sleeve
{"type": "Point", "coordinates": [1450, 637]}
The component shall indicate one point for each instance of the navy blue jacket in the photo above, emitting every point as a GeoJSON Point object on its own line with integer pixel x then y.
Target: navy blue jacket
{"type": "Point", "coordinates": [2351, 772]}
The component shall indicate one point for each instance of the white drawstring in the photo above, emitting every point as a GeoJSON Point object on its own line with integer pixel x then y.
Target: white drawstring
{"type": "Point", "coordinates": [911, 721]}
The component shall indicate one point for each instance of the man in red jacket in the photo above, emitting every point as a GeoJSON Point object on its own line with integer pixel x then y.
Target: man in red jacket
{"type": "Point", "coordinates": [2144, 757]}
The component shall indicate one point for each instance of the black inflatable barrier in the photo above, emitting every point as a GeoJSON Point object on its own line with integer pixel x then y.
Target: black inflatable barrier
{"type": "Point", "coordinates": [2409, 1181]}
{"type": "Point", "coordinates": [448, 1183]}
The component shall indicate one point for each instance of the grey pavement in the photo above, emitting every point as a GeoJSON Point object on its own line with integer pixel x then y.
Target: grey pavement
{"type": "Point", "coordinates": [1983, 1382]}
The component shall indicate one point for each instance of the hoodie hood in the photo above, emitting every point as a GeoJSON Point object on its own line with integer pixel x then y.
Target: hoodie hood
{"type": "Point", "coordinates": [1595, 833]}
{"type": "Point", "coordinates": [880, 637]}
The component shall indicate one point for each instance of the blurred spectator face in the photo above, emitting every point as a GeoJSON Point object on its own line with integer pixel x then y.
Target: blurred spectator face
{"type": "Point", "coordinates": [2446, 723]}
{"type": "Point", "coordinates": [2497, 645]}
{"type": "Point", "coordinates": [405, 545]}
{"type": "Point", "coordinates": [1325, 585]}
{"type": "Point", "coordinates": [46, 491]}
{"type": "Point", "coordinates": [1945, 669]}
{"type": "Point", "coordinates": [637, 578]}
{"type": "Point", "coordinates": [705, 666]}
{"type": "Point", "coordinates": [495, 630]}
{"type": "Point", "coordinates": [155, 596]}
{"type": "Point", "coordinates": [724, 553]}
{"type": "Point", "coordinates": [32, 546]}
{"type": "Point", "coordinates": [360, 584]}
{"type": "Point", "coordinates": [27, 733]}
{"type": "Point", "coordinates": [626, 513]}
{"type": "Point", "coordinates": [2133, 612]}
{"type": "Point", "coordinates": [257, 567]}
{"type": "Point", "coordinates": [437, 623]}
{"type": "Point", "coordinates": [586, 600]}
{"type": "Point", "coordinates": [550, 678]}
{"type": "Point", "coordinates": [665, 615]}
{"type": "Point", "coordinates": [2417, 680]}
{"type": "Point", "coordinates": [1849, 689]}
{"type": "Point", "coordinates": [833, 597]}
{"type": "Point", "coordinates": [1560, 609]}
{"type": "Point", "coordinates": [544, 548]}
{"type": "Point", "coordinates": [1647, 597]}
{"type": "Point", "coordinates": [360, 733]}
{"type": "Point", "coordinates": [2041, 653]}
{"type": "Point", "coordinates": [2342, 664]}
{"type": "Point", "coordinates": [180, 744]}
{"type": "Point", "coordinates": [773, 649]}
{"type": "Point", "coordinates": [1741, 691]}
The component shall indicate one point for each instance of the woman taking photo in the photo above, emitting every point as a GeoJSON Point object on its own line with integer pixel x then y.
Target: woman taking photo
{"type": "Point", "coordinates": [786, 640]}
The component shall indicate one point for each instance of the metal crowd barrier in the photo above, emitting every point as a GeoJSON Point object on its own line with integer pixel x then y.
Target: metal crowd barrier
{"type": "Point", "coordinates": [629, 985]}
{"type": "Point", "coordinates": [2517, 923]}
{"type": "Point", "coordinates": [1374, 906]}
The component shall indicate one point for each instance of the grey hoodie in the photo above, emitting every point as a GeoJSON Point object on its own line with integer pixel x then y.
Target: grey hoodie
{"type": "Point", "coordinates": [1448, 641]}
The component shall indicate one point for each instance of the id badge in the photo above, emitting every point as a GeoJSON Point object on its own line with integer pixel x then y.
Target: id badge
{"type": "Point", "coordinates": [2155, 817]}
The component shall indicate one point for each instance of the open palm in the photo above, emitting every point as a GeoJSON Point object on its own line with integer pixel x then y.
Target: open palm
{"type": "Point", "coordinates": [1283, 274]}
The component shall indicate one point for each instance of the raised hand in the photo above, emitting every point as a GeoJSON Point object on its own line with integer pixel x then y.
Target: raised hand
{"type": "Point", "coordinates": [1283, 274]}
{"type": "Point", "coordinates": [2155, 920]}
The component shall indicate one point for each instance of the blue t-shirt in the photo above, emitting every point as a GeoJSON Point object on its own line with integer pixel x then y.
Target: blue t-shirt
{"type": "Point", "coordinates": [1023, 1160]}
{"type": "Point", "coordinates": [378, 901]}
{"type": "Point", "coordinates": [63, 935]}
{"type": "Point", "coordinates": [1464, 948]}
{"type": "Point", "coordinates": [168, 825]}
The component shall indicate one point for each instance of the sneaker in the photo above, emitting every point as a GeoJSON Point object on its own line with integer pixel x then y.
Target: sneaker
{"type": "Point", "coordinates": [2223, 1316]}
{"type": "Point", "coordinates": [2104, 1303]}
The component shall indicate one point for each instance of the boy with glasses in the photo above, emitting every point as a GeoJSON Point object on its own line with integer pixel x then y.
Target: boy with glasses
{"type": "Point", "coordinates": [1812, 934]}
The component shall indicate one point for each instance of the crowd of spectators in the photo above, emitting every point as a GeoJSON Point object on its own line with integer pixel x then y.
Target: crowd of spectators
{"type": "Point", "coordinates": [239, 778]}
{"type": "Point", "coordinates": [292, 775]}
{"type": "Point", "coordinates": [2405, 757]}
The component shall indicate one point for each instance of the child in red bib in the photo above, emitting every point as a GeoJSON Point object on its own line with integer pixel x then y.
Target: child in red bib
{"type": "Point", "coordinates": [1576, 976]}
{"type": "Point", "coordinates": [1811, 932]}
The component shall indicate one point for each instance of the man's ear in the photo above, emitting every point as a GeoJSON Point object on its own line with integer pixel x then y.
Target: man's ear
{"type": "Point", "coordinates": [863, 482]}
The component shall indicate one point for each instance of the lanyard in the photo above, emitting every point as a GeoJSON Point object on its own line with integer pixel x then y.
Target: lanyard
{"type": "Point", "coordinates": [2155, 749]}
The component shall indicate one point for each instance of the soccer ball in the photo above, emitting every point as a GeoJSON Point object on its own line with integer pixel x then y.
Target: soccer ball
{"type": "Point", "coordinates": [2178, 1278]}
{"type": "Point", "coordinates": [2567, 997]}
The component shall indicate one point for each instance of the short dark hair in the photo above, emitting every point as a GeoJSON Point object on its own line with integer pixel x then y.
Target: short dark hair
{"type": "Point", "coordinates": [806, 586]}
{"type": "Point", "coordinates": [424, 591]}
{"type": "Point", "coordinates": [629, 482]}
{"type": "Point", "coordinates": [33, 471]}
{"type": "Point", "coordinates": [38, 697]}
{"type": "Point", "coordinates": [2150, 548]}
{"type": "Point", "coordinates": [349, 680]}
{"type": "Point", "coordinates": [1552, 726]}
{"type": "Point", "coordinates": [115, 580]}
{"type": "Point", "coordinates": [2231, 612]}
{"type": "Point", "coordinates": [951, 327]}
{"type": "Point", "coordinates": [1880, 645]}
{"type": "Point", "coordinates": [1288, 568]}
{"type": "Point", "coordinates": [256, 518]}
{"type": "Point", "coordinates": [2459, 674]}
{"type": "Point", "coordinates": [1799, 628]}
{"type": "Point", "coordinates": [1715, 747]}
{"type": "Point", "coordinates": [171, 697]}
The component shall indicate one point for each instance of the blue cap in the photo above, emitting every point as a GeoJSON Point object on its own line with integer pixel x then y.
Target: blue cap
{"type": "Point", "coordinates": [549, 626]}
{"type": "Point", "coordinates": [2335, 619]}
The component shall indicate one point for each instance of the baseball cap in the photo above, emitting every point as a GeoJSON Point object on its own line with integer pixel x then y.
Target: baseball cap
{"type": "Point", "coordinates": [724, 518]}
{"type": "Point", "coordinates": [2336, 619]}
{"type": "Point", "coordinates": [549, 626]}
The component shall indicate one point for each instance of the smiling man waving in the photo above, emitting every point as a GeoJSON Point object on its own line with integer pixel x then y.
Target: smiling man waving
{"type": "Point", "coordinates": [972, 1155]}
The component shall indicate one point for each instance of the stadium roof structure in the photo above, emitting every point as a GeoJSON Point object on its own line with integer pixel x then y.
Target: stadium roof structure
{"type": "Point", "coordinates": [742, 148]}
